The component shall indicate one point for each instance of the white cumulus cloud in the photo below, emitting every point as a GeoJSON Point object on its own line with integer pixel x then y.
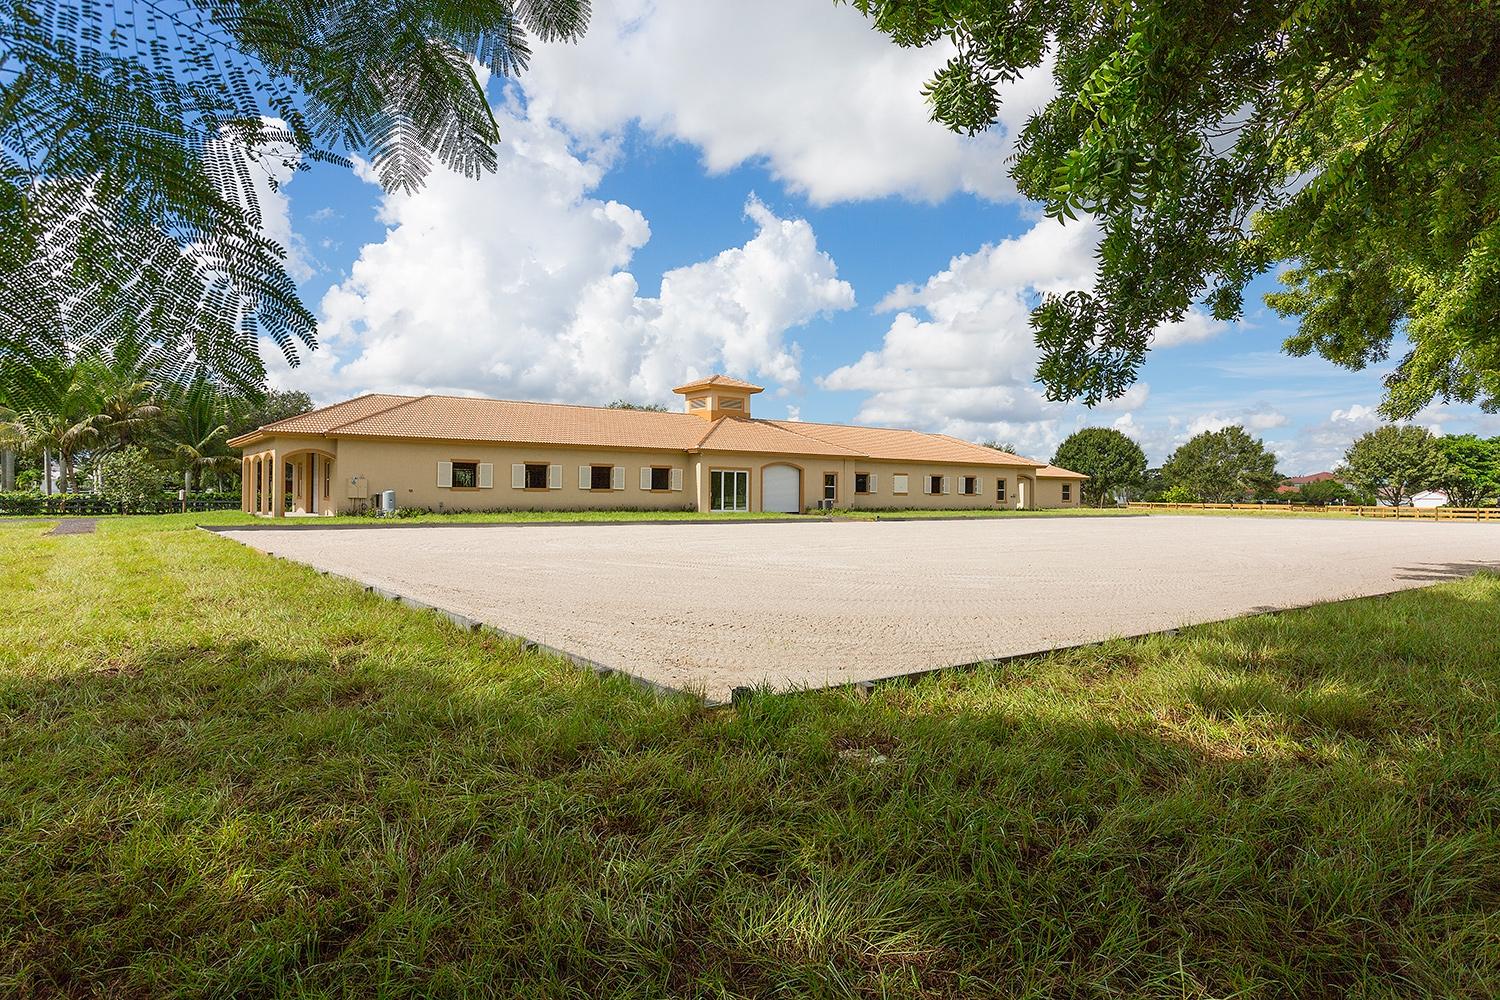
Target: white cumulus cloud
{"type": "Point", "coordinates": [832, 107]}
{"type": "Point", "coordinates": [517, 285]}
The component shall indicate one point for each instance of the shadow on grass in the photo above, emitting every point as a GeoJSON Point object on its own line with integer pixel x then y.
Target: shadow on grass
{"type": "Point", "coordinates": [403, 809]}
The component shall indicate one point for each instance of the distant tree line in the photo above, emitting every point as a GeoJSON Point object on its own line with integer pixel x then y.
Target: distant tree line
{"type": "Point", "coordinates": [1390, 465]}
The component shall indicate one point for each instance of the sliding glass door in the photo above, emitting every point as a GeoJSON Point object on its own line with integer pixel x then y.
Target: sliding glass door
{"type": "Point", "coordinates": [729, 490]}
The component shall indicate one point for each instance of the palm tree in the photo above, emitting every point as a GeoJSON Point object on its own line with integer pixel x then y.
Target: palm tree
{"type": "Point", "coordinates": [126, 397]}
{"type": "Point", "coordinates": [196, 429]}
{"type": "Point", "coordinates": [11, 438]}
{"type": "Point", "coordinates": [59, 413]}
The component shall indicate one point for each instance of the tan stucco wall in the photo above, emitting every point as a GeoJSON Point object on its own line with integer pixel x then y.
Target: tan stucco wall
{"type": "Point", "coordinates": [410, 468]}
{"type": "Point", "coordinates": [1049, 492]}
{"type": "Point", "coordinates": [884, 496]}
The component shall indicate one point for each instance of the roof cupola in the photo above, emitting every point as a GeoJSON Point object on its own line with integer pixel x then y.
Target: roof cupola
{"type": "Point", "coordinates": [718, 396]}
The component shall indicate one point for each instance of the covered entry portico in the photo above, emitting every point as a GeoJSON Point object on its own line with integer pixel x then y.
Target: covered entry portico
{"type": "Point", "coordinates": [275, 484]}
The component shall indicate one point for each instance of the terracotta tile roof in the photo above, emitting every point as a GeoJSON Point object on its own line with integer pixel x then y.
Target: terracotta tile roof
{"type": "Point", "coordinates": [767, 436]}
{"type": "Point", "coordinates": [719, 380]}
{"type": "Point", "coordinates": [465, 418]}
{"type": "Point", "coordinates": [460, 418]}
{"type": "Point", "coordinates": [1056, 472]}
{"type": "Point", "coordinates": [325, 418]}
{"type": "Point", "coordinates": [904, 446]}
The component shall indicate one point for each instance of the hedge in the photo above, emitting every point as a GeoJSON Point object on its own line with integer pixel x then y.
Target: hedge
{"type": "Point", "coordinates": [29, 502]}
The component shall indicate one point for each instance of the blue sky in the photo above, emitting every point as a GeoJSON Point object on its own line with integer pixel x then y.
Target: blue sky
{"type": "Point", "coordinates": [667, 206]}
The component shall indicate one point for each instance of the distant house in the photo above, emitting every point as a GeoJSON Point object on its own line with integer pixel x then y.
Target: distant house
{"type": "Point", "coordinates": [1295, 483]}
{"type": "Point", "coordinates": [456, 453]}
{"type": "Point", "coordinates": [1430, 498]}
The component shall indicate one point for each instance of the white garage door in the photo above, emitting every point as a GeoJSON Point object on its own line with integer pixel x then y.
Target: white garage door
{"type": "Point", "coordinates": [783, 489]}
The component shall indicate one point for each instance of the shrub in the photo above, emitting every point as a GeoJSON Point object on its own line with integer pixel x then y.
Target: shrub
{"type": "Point", "coordinates": [129, 479]}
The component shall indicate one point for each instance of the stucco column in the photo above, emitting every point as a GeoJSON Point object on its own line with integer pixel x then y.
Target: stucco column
{"type": "Point", "coordinates": [278, 484]}
{"type": "Point", "coordinates": [244, 486]}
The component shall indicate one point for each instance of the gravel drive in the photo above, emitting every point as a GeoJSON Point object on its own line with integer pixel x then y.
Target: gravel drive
{"type": "Point", "coordinates": [712, 607]}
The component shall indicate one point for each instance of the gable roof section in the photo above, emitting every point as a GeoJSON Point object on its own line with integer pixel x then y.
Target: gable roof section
{"type": "Point", "coordinates": [891, 444]}
{"type": "Point", "coordinates": [723, 381]}
{"type": "Point", "coordinates": [1056, 472]}
{"type": "Point", "coordinates": [325, 418]}
{"type": "Point", "coordinates": [463, 418]}
{"type": "Point", "coordinates": [504, 421]}
{"type": "Point", "coordinates": [767, 437]}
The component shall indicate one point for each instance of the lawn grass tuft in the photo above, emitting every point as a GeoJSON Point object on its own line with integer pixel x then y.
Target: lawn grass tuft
{"type": "Point", "coordinates": [223, 774]}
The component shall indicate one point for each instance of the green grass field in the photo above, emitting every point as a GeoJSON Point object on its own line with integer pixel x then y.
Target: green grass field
{"type": "Point", "coordinates": [222, 774]}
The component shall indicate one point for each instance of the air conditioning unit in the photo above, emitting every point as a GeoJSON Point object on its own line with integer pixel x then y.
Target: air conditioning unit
{"type": "Point", "coordinates": [825, 505]}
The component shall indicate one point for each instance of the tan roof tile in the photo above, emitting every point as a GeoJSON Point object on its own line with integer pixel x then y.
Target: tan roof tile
{"type": "Point", "coordinates": [459, 418]}
{"type": "Point", "coordinates": [719, 380]}
{"type": "Point", "coordinates": [730, 434]}
{"type": "Point", "coordinates": [895, 445]}
{"type": "Point", "coordinates": [464, 418]}
{"type": "Point", "coordinates": [1056, 472]}
{"type": "Point", "coordinates": [325, 418]}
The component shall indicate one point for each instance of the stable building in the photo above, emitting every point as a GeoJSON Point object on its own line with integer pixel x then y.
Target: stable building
{"type": "Point", "coordinates": [453, 453]}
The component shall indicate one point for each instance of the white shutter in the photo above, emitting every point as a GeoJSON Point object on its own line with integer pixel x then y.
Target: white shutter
{"type": "Point", "coordinates": [677, 480]}
{"type": "Point", "coordinates": [518, 477]}
{"type": "Point", "coordinates": [927, 484]}
{"type": "Point", "coordinates": [486, 476]}
{"type": "Point", "coordinates": [898, 483]}
{"type": "Point", "coordinates": [617, 478]}
{"type": "Point", "coordinates": [645, 477]}
{"type": "Point", "coordinates": [945, 485]}
{"type": "Point", "coordinates": [445, 474]}
{"type": "Point", "coordinates": [554, 477]}
{"type": "Point", "coordinates": [585, 477]}
{"type": "Point", "coordinates": [874, 483]}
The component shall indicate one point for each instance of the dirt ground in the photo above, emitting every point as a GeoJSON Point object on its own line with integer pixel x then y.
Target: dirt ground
{"type": "Point", "coordinates": [804, 604]}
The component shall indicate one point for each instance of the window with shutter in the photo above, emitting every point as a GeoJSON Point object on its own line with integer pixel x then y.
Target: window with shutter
{"type": "Point", "coordinates": [660, 478]}
{"type": "Point", "coordinates": [554, 477]}
{"type": "Point", "coordinates": [486, 476]}
{"type": "Point", "coordinates": [465, 476]}
{"type": "Point", "coordinates": [518, 476]}
{"type": "Point", "coordinates": [646, 477]}
{"type": "Point", "coordinates": [617, 478]}
{"type": "Point", "coordinates": [445, 475]}
{"type": "Point", "coordinates": [677, 480]}
{"type": "Point", "coordinates": [601, 477]}
{"type": "Point", "coordinates": [536, 475]}
{"type": "Point", "coordinates": [585, 480]}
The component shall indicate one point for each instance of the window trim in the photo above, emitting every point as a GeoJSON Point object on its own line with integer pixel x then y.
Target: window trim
{"type": "Point", "coordinates": [1067, 492]}
{"type": "Point", "coordinates": [526, 476]}
{"type": "Point", "coordinates": [963, 486]}
{"type": "Point", "coordinates": [609, 478]}
{"type": "Point", "coordinates": [835, 477]}
{"type": "Point", "coordinates": [906, 476]}
{"type": "Point", "coordinates": [935, 479]}
{"type": "Point", "coordinates": [749, 505]}
{"type": "Point", "coordinates": [668, 470]}
{"type": "Point", "coordinates": [455, 463]}
{"type": "Point", "coordinates": [866, 491]}
{"type": "Point", "coordinates": [1002, 492]}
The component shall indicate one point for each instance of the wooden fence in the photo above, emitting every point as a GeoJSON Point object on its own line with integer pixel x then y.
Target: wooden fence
{"type": "Point", "coordinates": [1399, 513]}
